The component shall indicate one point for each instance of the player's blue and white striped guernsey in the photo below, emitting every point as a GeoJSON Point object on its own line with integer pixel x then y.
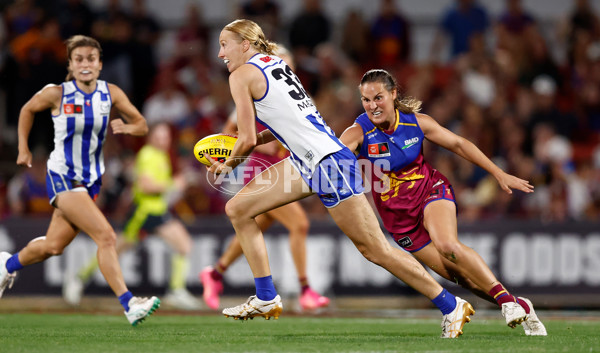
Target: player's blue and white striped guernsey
{"type": "Point", "coordinates": [79, 132]}
{"type": "Point", "coordinates": [288, 111]}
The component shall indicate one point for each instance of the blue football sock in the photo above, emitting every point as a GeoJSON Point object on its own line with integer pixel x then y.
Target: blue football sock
{"type": "Point", "coordinates": [446, 302]}
{"type": "Point", "coordinates": [124, 299]}
{"type": "Point", "coordinates": [13, 264]}
{"type": "Point", "coordinates": [265, 290]}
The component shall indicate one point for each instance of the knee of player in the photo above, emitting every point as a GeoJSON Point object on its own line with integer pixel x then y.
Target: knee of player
{"type": "Point", "coordinates": [449, 249]}
{"type": "Point", "coordinates": [184, 247]}
{"type": "Point", "coordinates": [300, 228]}
{"type": "Point", "coordinates": [372, 252]}
{"type": "Point", "coordinates": [234, 209]}
{"type": "Point", "coordinates": [106, 238]}
{"type": "Point", "coordinates": [54, 249]}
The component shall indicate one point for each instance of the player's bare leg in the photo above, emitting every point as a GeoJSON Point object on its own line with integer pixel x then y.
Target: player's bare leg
{"type": "Point", "coordinates": [242, 210]}
{"type": "Point", "coordinates": [294, 219]}
{"type": "Point", "coordinates": [440, 221]}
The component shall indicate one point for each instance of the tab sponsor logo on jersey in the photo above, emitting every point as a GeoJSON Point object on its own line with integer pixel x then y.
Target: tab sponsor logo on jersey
{"type": "Point", "coordinates": [377, 150]}
{"type": "Point", "coordinates": [71, 108]}
{"type": "Point", "coordinates": [410, 142]}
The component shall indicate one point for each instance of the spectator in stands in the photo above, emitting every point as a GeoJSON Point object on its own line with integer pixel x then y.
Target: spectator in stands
{"type": "Point", "coordinates": [581, 24]}
{"type": "Point", "coordinates": [75, 17]}
{"type": "Point", "coordinates": [355, 37]}
{"type": "Point", "coordinates": [146, 32]}
{"type": "Point", "coordinates": [21, 16]}
{"type": "Point", "coordinates": [192, 38]}
{"type": "Point", "coordinates": [477, 69]}
{"type": "Point", "coordinates": [545, 108]}
{"type": "Point", "coordinates": [27, 190]}
{"type": "Point", "coordinates": [539, 62]}
{"type": "Point", "coordinates": [459, 23]}
{"type": "Point", "coordinates": [113, 29]}
{"type": "Point", "coordinates": [390, 33]}
{"type": "Point", "coordinates": [265, 12]}
{"type": "Point", "coordinates": [587, 88]}
{"type": "Point", "coordinates": [37, 57]}
{"type": "Point", "coordinates": [169, 104]}
{"type": "Point", "coordinates": [40, 42]}
{"type": "Point", "coordinates": [515, 29]}
{"type": "Point", "coordinates": [309, 28]}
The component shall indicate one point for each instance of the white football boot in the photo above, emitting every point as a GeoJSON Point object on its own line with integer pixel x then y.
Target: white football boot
{"type": "Point", "coordinates": [533, 326]}
{"type": "Point", "coordinates": [513, 313]}
{"type": "Point", "coordinates": [255, 307]}
{"type": "Point", "coordinates": [453, 323]}
{"type": "Point", "coordinates": [140, 308]}
{"type": "Point", "coordinates": [6, 279]}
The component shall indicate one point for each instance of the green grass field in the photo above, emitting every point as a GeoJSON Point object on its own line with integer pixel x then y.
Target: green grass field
{"type": "Point", "coordinates": [187, 333]}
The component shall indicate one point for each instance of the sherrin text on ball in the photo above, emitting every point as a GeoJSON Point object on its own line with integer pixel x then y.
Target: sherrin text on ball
{"type": "Point", "coordinates": [218, 146]}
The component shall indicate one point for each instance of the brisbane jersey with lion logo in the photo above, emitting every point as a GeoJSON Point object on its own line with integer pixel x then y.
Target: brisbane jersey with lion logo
{"type": "Point", "coordinates": [79, 133]}
{"type": "Point", "coordinates": [401, 190]}
{"type": "Point", "coordinates": [290, 114]}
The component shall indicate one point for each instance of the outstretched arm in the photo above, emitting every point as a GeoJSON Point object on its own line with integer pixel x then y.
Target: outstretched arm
{"type": "Point", "coordinates": [353, 137]}
{"type": "Point", "coordinates": [437, 134]}
{"type": "Point", "coordinates": [47, 98]}
{"type": "Point", "coordinates": [135, 123]}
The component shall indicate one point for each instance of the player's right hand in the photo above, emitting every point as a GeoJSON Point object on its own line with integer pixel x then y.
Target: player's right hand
{"type": "Point", "coordinates": [24, 158]}
{"type": "Point", "coordinates": [217, 167]}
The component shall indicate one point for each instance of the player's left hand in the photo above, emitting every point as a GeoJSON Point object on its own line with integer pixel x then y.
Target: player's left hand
{"type": "Point", "coordinates": [508, 182]}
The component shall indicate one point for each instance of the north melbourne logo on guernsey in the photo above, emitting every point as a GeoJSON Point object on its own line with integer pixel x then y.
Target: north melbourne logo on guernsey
{"type": "Point", "coordinates": [378, 150]}
{"type": "Point", "coordinates": [105, 107]}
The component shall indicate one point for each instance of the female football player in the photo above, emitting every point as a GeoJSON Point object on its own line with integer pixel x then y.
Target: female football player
{"type": "Point", "coordinates": [150, 214]}
{"type": "Point", "coordinates": [416, 202]}
{"type": "Point", "coordinates": [80, 110]}
{"type": "Point", "coordinates": [264, 88]}
{"type": "Point", "coordinates": [292, 216]}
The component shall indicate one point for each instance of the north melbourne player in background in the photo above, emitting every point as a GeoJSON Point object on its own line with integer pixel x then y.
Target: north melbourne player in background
{"type": "Point", "coordinates": [416, 202]}
{"type": "Point", "coordinates": [80, 111]}
{"type": "Point", "coordinates": [265, 88]}
{"type": "Point", "coordinates": [292, 216]}
{"type": "Point", "coordinates": [150, 214]}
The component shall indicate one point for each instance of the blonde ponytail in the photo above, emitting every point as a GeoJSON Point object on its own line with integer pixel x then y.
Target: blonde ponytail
{"type": "Point", "coordinates": [251, 31]}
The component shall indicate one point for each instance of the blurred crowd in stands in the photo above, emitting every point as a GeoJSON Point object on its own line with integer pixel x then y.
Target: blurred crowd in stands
{"type": "Point", "coordinates": [500, 87]}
